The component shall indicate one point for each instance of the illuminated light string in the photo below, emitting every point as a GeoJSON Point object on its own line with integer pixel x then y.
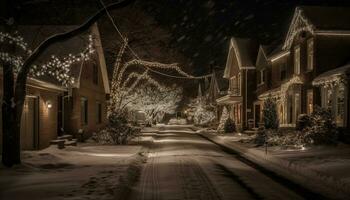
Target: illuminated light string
{"type": "Point", "coordinates": [56, 67]}
{"type": "Point", "coordinates": [173, 66]}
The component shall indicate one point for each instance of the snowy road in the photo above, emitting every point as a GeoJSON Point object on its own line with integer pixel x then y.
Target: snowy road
{"type": "Point", "coordinates": [182, 165]}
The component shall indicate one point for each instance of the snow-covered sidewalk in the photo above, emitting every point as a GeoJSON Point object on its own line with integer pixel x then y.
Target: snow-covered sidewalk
{"type": "Point", "coordinates": [89, 171]}
{"type": "Point", "coordinates": [323, 170]}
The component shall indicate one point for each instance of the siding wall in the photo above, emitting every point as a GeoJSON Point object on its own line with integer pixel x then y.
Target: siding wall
{"type": "Point", "coordinates": [47, 116]}
{"type": "Point", "coordinates": [93, 93]}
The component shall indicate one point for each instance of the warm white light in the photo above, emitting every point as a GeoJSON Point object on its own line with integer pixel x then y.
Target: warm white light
{"type": "Point", "coordinates": [49, 104]}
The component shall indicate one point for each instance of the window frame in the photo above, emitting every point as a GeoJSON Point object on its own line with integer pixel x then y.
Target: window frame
{"type": "Point", "coordinates": [297, 60]}
{"type": "Point", "coordinates": [98, 112]}
{"type": "Point", "coordinates": [310, 105]}
{"type": "Point", "coordinates": [310, 54]}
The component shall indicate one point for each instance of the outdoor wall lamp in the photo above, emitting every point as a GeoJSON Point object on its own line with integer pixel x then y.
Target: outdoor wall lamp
{"type": "Point", "coordinates": [49, 104]}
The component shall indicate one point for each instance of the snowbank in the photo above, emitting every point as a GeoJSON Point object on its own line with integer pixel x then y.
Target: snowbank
{"type": "Point", "coordinates": [85, 172]}
{"type": "Point", "coordinates": [322, 170]}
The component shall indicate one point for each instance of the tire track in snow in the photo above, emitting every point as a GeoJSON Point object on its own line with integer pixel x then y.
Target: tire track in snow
{"type": "Point", "coordinates": [196, 184]}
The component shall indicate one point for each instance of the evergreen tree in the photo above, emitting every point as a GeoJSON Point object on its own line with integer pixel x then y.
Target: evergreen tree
{"type": "Point", "coordinates": [223, 118]}
{"type": "Point", "coordinates": [270, 114]}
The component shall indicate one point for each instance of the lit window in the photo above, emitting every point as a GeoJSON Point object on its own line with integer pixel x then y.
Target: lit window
{"type": "Point", "coordinates": [310, 100]}
{"type": "Point", "coordinates": [297, 60]}
{"type": "Point", "coordinates": [340, 111]}
{"type": "Point", "coordinates": [310, 56]}
{"type": "Point", "coordinates": [239, 83]}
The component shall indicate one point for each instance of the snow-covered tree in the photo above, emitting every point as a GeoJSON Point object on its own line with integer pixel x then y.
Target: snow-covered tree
{"type": "Point", "coordinates": [155, 102]}
{"type": "Point", "coordinates": [223, 119]}
{"type": "Point", "coordinates": [132, 85]}
{"type": "Point", "coordinates": [200, 112]}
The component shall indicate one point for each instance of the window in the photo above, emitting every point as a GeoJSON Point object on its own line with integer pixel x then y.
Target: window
{"type": "Point", "coordinates": [98, 113]}
{"type": "Point", "coordinates": [95, 74]}
{"type": "Point", "coordinates": [340, 111]}
{"type": "Point", "coordinates": [258, 77]}
{"type": "Point", "coordinates": [239, 84]}
{"type": "Point", "coordinates": [234, 85]}
{"type": "Point", "coordinates": [262, 75]}
{"type": "Point", "coordinates": [297, 60]}
{"type": "Point", "coordinates": [310, 54]}
{"type": "Point", "coordinates": [310, 100]}
{"type": "Point", "coordinates": [283, 74]}
{"type": "Point", "coordinates": [84, 111]}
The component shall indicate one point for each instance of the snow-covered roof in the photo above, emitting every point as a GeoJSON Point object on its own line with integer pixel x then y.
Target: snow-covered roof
{"type": "Point", "coordinates": [36, 34]}
{"type": "Point", "coordinates": [244, 50]}
{"type": "Point", "coordinates": [333, 75]}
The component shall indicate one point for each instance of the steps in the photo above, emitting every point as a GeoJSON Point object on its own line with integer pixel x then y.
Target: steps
{"type": "Point", "coordinates": [251, 132]}
{"type": "Point", "coordinates": [63, 141]}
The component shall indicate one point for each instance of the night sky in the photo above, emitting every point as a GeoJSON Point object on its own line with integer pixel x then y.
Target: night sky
{"type": "Point", "coordinates": [194, 34]}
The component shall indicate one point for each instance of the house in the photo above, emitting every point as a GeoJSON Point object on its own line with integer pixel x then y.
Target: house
{"type": "Point", "coordinates": [309, 68]}
{"type": "Point", "coordinates": [86, 102]}
{"type": "Point", "coordinates": [51, 110]}
{"type": "Point", "coordinates": [240, 71]}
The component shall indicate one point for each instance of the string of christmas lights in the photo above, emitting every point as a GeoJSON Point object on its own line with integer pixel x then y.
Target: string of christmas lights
{"type": "Point", "coordinates": [55, 67]}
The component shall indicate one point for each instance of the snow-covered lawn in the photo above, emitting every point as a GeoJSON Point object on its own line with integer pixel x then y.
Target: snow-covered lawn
{"type": "Point", "coordinates": [89, 171]}
{"type": "Point", "coordinates": [327, 165]}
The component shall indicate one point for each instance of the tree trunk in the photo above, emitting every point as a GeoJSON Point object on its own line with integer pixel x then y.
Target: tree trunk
{"type": "Point", "coordinates": [10, 128]}
{"type": "Point", "coordinates": [12, 105]}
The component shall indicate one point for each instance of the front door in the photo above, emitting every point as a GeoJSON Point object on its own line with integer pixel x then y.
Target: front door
{"type": "Point", "coordinates": [29, 124]}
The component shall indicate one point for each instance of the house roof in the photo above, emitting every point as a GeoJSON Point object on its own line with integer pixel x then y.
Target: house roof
{"type": "Point", "coordinates": [244, 50]}
{"type": "Point", "coordinates": [332, 75]}
{"type": "Point", "coordinates": [36, 34]}
{"type": "Point", "coordinates": [316, 18]}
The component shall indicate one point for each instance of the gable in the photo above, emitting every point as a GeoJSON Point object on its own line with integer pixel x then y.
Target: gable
{"type": "Point", "coordinates": [299, 24]}
{"type": "Point", "coordinates": [232, 63]}
{"type": "Point", "coordinates": [262, 58]}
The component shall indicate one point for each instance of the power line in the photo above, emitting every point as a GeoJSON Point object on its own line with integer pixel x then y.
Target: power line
{"type": "Point", "coordinates": [136, 56]}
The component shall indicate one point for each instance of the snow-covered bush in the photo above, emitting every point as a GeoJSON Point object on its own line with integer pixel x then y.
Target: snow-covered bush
{"type": "Point", "coordinates": [118, 131]}
{"type": "Point", "coordinates": [303, 122]}
{"type": "Point", "coordinates": [229, 126]}
{"type": "Point", "coordinates": [322, 128]}
{"type": "Point", "coordinates": [270, 114]}
{"type": "Point", "coordinates": [201, 113]}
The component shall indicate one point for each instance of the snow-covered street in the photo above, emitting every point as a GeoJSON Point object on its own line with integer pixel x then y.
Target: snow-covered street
{"type": "Point", "coordinates": [183, 165]}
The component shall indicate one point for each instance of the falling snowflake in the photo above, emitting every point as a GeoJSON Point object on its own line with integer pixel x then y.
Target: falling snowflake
{"type": "Point", "coordinates": [181, 38]}
{"type": "Point", "coordinates": [208, 38]}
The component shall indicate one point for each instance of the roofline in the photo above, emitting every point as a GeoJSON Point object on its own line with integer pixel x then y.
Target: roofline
{"type": "Point", "coordinates": [33, 82]}
{"type": "Point", "coordinates": [101, 57]}
{"type": "Point", "coordinates": [260, 50]}
{"type": "Point", "coordinates": [45, 85]}
{"type": "Point", "coordinates": [279, 55]}
{"type": "Point", "coordinates": [298, 12]}
{"type": "Point", "coordinates": [333, 32]}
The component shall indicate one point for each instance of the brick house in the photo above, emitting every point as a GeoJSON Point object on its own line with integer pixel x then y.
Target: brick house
{"type": "Point", "coordinates": [240, 71]}
{"type": "Point", "coordinates": [50, 109]}
{"type": "Point", "coordinates": [310, 68]}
